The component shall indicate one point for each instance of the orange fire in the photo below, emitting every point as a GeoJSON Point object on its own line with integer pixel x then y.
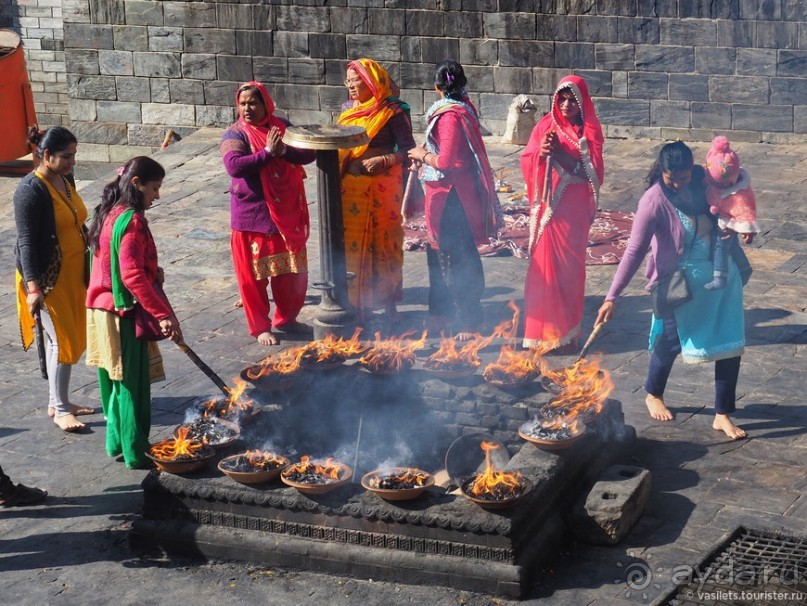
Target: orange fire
{"type": "Point", "coordinates": [330, 470]}
{"type": "Point", "coordinates": [496, 483]}
{"type": "Point", "coordinates": [406, 477]}
{"type": "Point", "coordinates": [585, 386]}
{"type": "Point", "coordinates": [393, 354]}
{"type": "Point", "coordinates": [258, 459]}
{"type": "Point", "coordinates": [333, 349]}
{"type": "Point", "coordinates": [283, 363]}
{"type": "Point", "coordinates": [512, 366]}
{"type": "Point", "coordinates": [177, 447]}
{"type": "Point", "coordinates": [233, 403]}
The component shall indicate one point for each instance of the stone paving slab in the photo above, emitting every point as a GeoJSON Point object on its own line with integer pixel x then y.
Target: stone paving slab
{"type": "Point", "coordinates": [74, 549]}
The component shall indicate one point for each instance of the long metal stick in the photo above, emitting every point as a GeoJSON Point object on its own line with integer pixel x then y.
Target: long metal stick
{"type": "Point", "coordinates": [591, 338]}
{"type": "Point", "coordinates": [204, 368]}
{"type": "Point", "coordinates": [40, 344]}
{"type": "Point", "coordinates": [356, 456]}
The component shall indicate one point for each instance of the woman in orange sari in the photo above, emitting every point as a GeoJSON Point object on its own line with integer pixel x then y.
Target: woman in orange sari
{"type": "Point", "coordinates": [568, 142]}
{"type": "Point", "coordinates": [372, 188]}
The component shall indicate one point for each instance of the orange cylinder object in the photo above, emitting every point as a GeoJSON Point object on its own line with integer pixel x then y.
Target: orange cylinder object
{"type": "Point", "coordinates": [16, 99]}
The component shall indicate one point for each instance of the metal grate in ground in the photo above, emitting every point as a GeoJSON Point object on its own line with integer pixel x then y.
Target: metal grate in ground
{"type": "Point", "coordinates": [753, 567]}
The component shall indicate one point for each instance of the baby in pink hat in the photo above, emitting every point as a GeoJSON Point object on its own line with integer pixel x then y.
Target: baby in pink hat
{"type": "Point", "coordinates": [732, 200]}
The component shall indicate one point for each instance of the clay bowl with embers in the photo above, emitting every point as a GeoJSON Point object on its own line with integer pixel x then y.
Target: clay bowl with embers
{"type": "Point", "coordinates": [322, 487]}
{"type": "Point", "coordinates": [184, 465]}
{"type": "Point", "coordinates": [212, 431]}
{"type": "Point", "coordinates": [237, 468]}
{"type": "Point", "coordinates": [504, 503]}
{"type": "Point", "coordinates": [269, 381]}
{"type": "Point", "coordinates": [380, 482]}
{"type": "Point", "coordinates": [548, 443]}
{"type": "Point", "coordinates": [510, 382]}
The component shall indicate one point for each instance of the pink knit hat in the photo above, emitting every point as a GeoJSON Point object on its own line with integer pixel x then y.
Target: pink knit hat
{"type": "Point", "coordinates": [722, 162]}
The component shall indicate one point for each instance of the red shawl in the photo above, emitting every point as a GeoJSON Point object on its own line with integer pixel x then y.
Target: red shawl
{"type": "Point", "coordinates": [282, 181]}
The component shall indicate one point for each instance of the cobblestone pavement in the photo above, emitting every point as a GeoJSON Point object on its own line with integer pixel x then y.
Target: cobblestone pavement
{"type": "Point", "coordinates": [73, 550]}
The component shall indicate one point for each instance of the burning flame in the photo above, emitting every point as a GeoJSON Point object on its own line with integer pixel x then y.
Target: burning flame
{"type": "Point", "coordinates": [180, 446]}
{"type": "Point", "coordinates": [399, 477]}
{"type": "Point", "coordinates": [393, 354]}
{"type": "Point", "coordinates": [331, 469]}
{"type": "Point", "coordinates": [263, 460]}
{"type": "Point", "coordinates": [585, 388]}
{"type": "Point", "coordinates": [233, 403]}
{"type": "Point", "coordinates": [496, 483]}
{"type": "Point", "coordinates": [512, 365]}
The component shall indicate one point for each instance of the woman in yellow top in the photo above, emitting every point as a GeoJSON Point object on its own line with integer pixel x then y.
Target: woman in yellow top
{"type": "Point", "coordinates": [51, 265]}
{"type": "Point", "coordinates": [372, 188]}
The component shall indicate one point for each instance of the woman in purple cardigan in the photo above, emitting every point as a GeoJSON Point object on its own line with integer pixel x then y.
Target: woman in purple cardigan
{"type": "Point", "coordinates": [674, 224]}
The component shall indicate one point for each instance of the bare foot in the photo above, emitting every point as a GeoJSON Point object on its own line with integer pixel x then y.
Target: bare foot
{"type": "Point", "coordinates": [238, 303]}
{"type": "Point", "coordinates": [658, 409]}
{"type": "Point", "coordinates": [726, 425]}
{"type": "Point", "coordinates": [75, 409]}
{"type": "Point", "coordinates": [68, 423]}
{"type": "Point", "coordinates": [463, 336]}
{"type": "Point", "coordinates": [268, 338]}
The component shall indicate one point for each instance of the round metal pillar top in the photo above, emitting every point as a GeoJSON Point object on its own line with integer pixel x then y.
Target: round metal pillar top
{"type": "Point", "coordinates": [325, 136]}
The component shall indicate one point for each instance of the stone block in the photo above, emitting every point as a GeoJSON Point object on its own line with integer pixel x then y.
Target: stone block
{"type": "Point", "coordinates": [173, 114]}
{"type": "Point", "coordinates": [479, 52]}
{"type": "Point", "coordinates": [73, 11]}
{"type": "Point", "coordinates": [308, 71]}
{"type": "Point", "coordinates": [760, 11]}
{"type": "Point", "coordinates": [792, 63]}
{"type": "Point", "coordinates": [463, 24]}
{"type": "Point", "coordinates": [619, 85]}
{"type": "Point", "coordinates": [411, 50]}
{"type": "Point", "coordinates": [710, 115]}
{"type": "Point", "coordinates": [775, 118]}
{"type": "Point", "coordinates": [199, 66]}
{"type": "Point", "coordinates": [124, 153]}
{"type": "Point", "coordinates": [556, 27]}
{"type": "Point", "coordinates": [326, 46]}
{"type": "Point", "coordinates": [613, 505]}
{"type": "Point", "coordinates": [669, 113]}
{"type": "Point", "coordinates": [789, 91]}
{"type": "Point", "coordinates": [350, 21]}
{"type": "Point", "coordinates": [614, 9]}
{"type": "Point", "coordinates": [271, 69]}
{"type": "Point", "coordinates": [599, 82]}
{"type": "Point", "coordinates": [143, 13]}
{"type": "Point", "coordinates": [133, 89]}
{"type": "Point", "coordinates": [160, 91]}
{"type": "Point", "coordinates": [165, 39]}
{"type": "Point", "coordinates": [82, 62]}
{"type": "Point", "coordinates": [235, 16]}
{"type": "Point", "coordinates": [130, 38]}
{"type": "Point", "coordinates": [157, 65]}
{"type": "Point", "coordinates": [704, 9]}
{"type": "Point", "coordinates": [387, 21]}
{"type": "Point", "coordinates": [108, 11]}
{"type": "Point", "coordinates": [254, 43]}
{"type": "Point", "coordinates": [486, 6]}
{"type": "Point", "coordinates": [107, 133]}
{"type": "Point", "coordinates": [480, 79]}
{"type": "Point", "coordinates": [116, 63]}
{"type": "Point", "coordinates": [291, 44]}
{"type": "Point", "coordinates": [146, 134]}
{"type": "Point", "coordinates": [190, 14]}
{"type": "Point", "coordinates": [81, 110]}
{"type": "Point", "coordinates": [234, 68]}
{"type": "Point", "coordinates": [220, 92]}
{"type": "Point", "coordinates": [777, 35]}
{"type": "Point", "coordinates": [381, 48]}
{"type": "Point", "coordinates": [91, 87]}
{"type": "Point", "coordinates": [688, 32]}
{"type": "Point", "coordinates": [637, 31]}
{"type": "Point", "coordinates": [545, 80]}
{"type": "Point", "coordinates": [526, 53]}
{"type": "Point", "coordinates": [492, 105]}
{"type": "Point", "coordinates": [512, 79]}
{"type": "Point", "coordinates": [215, 115]}
{"type": "Point", "coordinates": [715, 60]}
{"type": "Point", "coordinates": [332, 97]}
{"type": "Point", "coordinates": [187, 91]}
{"type": "Point", "coordinates": [756, 62]}
{"type": "Point", "coordinates": [736, 33]}
{"type": "Point", "coordinates": [423, 23]}
{"type": "Point", "coordinates": [417, 76]}
{"type": "Point", "coordinates": [800, 120]}
{"type": "Point", "coordinates": [644, 85]}
{"type": "Point", "coordinates": [665, 58]}
{"type": "Point", "coordinates": [794, 10]}
{"type": "Point", "coordinates": [209, 40]}
{"type": "Point", "coordinates": [81, 35]}
{"type": "Point", "coordinates": [435, 50]}
{"type": "Point", "coordinates": [686, 87]}
{"type": "Point", "coordinates": [297, 96]}
{"type": "Point", "coordinates": [596, 29]}
{"type": "Point", "coordinates": [94, 152]}
{"type": "Point", "coordinates": [614, 57]}
{"type": "Point", "coordinates": [738, 89]}
{"type": "Point", "coordinates": [517, 26]}
{"type": "Point", "coordinates": [627, 112]}
{"type": "Point", "coordinates": [118, 111]}
{"type": "Point", "coordinates": [575, 55]}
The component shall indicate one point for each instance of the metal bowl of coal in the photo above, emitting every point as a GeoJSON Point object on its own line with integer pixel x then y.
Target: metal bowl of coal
{"type": "Point", "coordinates": [220, 408]}
{"type": "Point", "coordinates": [253, 467]}
{"type": "Point", "coordinates": [397, 483]}
{"type": "Point", "coordinates": [212, 431]}
{"type": "Point", "coordinates": [311, 477]}
{"type": "Point", "coordinates": [501, 496]}
{"type": "Point", "coordinates": [550, 436]}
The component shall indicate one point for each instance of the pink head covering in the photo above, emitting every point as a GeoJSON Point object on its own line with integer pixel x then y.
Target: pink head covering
{"type": "Point", "coordinates": [722, 162]}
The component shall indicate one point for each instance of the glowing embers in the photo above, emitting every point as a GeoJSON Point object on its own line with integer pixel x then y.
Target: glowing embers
{"type": "Point", "coordinates": [494, 488]}
{"type": "Point", "coordinates": [180, 454]}
{"type": "Point", "coordinates": [212, 431]}
{"type": "Point", "coordinates": [392, 355]}
{"type": "Point", "coordinates": [253, 466]}
{"type": "Point", "coordinates": [234, 408]}
{"type": "Point", "coordinates": [397, 483]}
{"type": "Point", "coordinates": [316, 477]}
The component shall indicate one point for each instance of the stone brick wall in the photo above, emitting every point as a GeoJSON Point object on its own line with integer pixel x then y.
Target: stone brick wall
{"type": "Point", "coordinates": [658, 68]}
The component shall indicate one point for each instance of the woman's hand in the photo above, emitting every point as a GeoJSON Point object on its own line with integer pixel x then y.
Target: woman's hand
{"type": "Point", "coordinates": [417, 154]}
{"type": "Point", "coordinates": [550, 144]}
{"type": "Point", "coordinates": [274, 142]}
{"type": "Point", "coordinates": [373, 166]}
{"type": "Point", "coordinates": [747, 238]}
{"type": "Point", "coordinates": [170, 328]}
{"type": "Point", "coordinates": [160, 276]}
{"type": "Point", "coordinates": [34, 301]}
{"type": "Point", "coordinates": [605, 313]}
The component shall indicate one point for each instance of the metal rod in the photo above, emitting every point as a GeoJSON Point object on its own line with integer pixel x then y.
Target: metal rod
{"type": "Point", "coordinates": [591, 338]}
{"type": "Point", "coordinates": [40, 344]}
{"type": "Point", "coordinates": [356, 456]}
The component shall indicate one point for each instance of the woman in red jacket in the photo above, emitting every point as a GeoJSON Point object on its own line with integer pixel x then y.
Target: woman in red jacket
{"type": "Point", "coordinates": [125, 273]}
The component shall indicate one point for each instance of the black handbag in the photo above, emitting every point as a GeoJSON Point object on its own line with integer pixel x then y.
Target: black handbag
{"type": "Point", "coordinates": [672, 291]}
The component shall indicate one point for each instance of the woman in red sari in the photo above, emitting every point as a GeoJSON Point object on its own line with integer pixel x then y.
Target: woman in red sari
{"type": "Point", "coordinates": [268, 215]}
{"type": "Point", "coordinates": [462, 208]}
{"type": "Point", "coordinates": [569, 141]}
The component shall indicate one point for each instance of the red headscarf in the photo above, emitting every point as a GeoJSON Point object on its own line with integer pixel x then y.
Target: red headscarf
{"type": "Point", "coordinates": [282, 182]}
